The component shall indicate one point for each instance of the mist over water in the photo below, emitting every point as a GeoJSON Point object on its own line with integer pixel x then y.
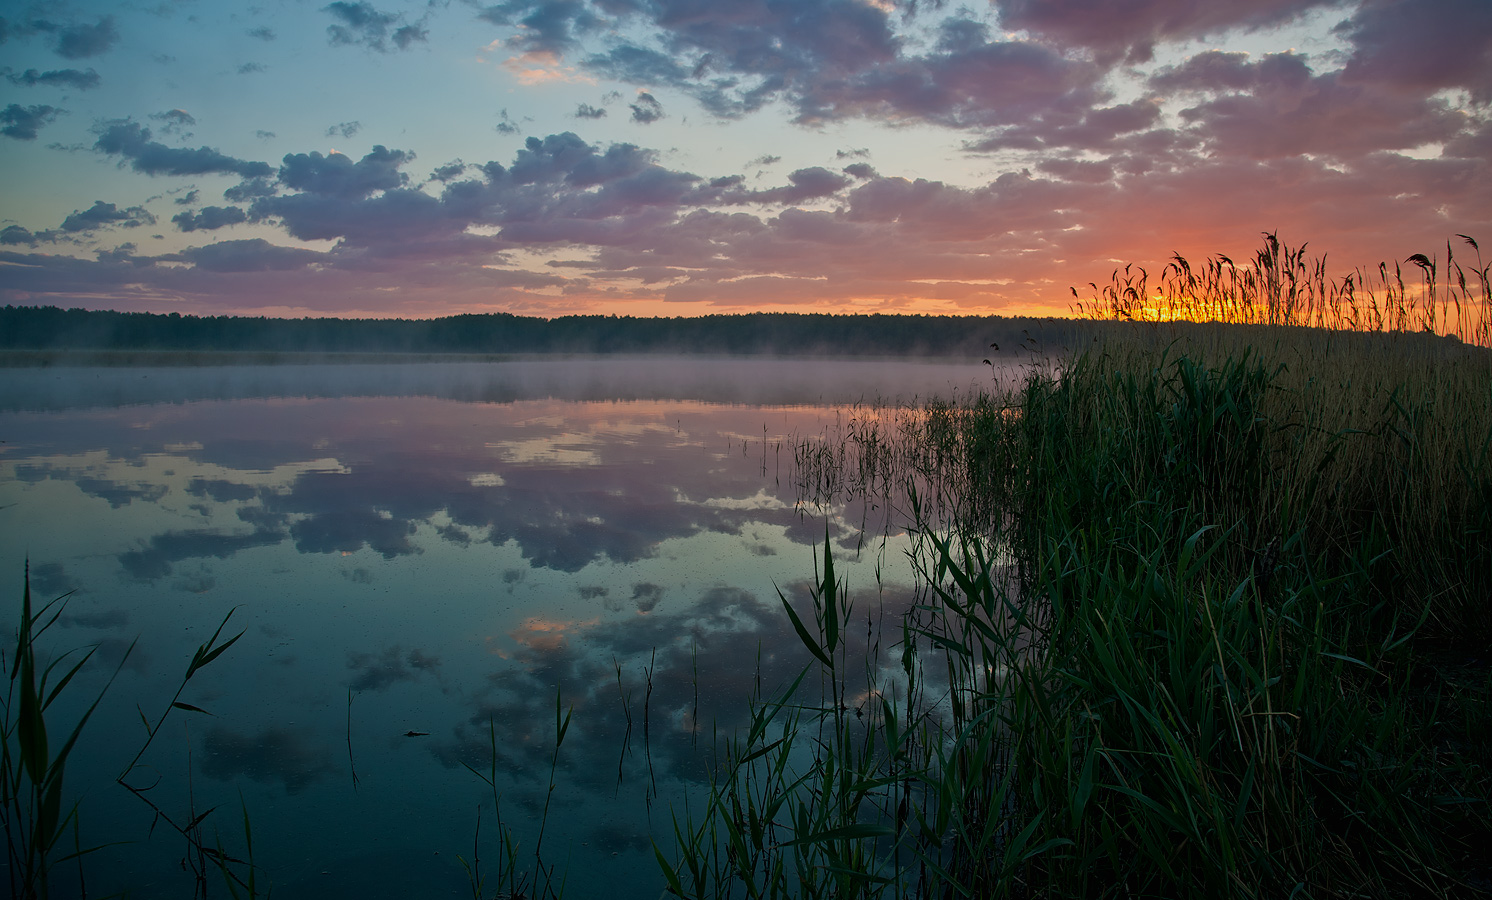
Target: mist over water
{"type": "Point", "coordinates": [438, 548]}
{"type": "Point", "coordinates": [749, 380]}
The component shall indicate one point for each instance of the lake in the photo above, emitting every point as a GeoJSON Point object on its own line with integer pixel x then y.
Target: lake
{"type": "Point", "coordinates": [425, 560]}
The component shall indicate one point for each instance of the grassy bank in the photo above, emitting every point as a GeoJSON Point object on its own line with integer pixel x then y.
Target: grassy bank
{"type": "Point", "coordinates": [1210, 621]}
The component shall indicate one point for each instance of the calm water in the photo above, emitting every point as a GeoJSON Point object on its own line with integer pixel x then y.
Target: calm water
{"type": "Point", "coordinates": [430, 548]}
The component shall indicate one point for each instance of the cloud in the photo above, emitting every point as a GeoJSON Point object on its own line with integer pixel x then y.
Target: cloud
{"type": "Point", "coordinates": [543, 67]}
{"type": "Point", "coordinates": [1422, 46]}
{"type": "Point", "coordinates": [262, 33]}
{"type": "Point", "coordinates": [250, 189]}
{"type": "Point", "coordinates": [253, 255]}
{"type": "Point", "coordinates": [1217, 70]}
{"type": "Point", "coordinates": [173, 121]}
{"type": "Point", "coordinates": [448, 172]}
{"type": "Point", "coordinates": [406, 36]}
{"type": "Point", "coordinates": [647, 109]}
{"type": "Point", "coordinates": [23, 122]}
{"type": "Point", "coordinates": [274, 754]}
{"type": "Point", "coordinates": [586, 111]}
{"type": "Point", "coordinates": [813, 183]}
{"type": "Point", "coordinates": [544, 26]}
{"type": "Point", "coordinates": [1094, 171]}
{"type": "Point", "coordinates": [379, 671]}
{"type": "Point", "coordinates": [1096, 129]}
{"type": "Point", "coordinates": [81, 41]}
{"type": "Point", "coordinates": [50, 580]}
{"type": "Point", "coordinates": [164, 550]}
{"type": "Point", "coordinates": [349, 530]}
{"type": "Point", "coordinates": [221, 490]}
{"type": "Point", "coordinates": [735, 64]}
{"type": "Point", "coordinates": [131, 140]}
{"type": "Point", "coordinates": [101, 215]}
{"type": "Point", "coordinates": [362, 24]}
{"type": "Point", "coordinates": [1278, 107]}
{"type": "Point", "coordinates": [505, 124]}
{"type": "Point", "coordinates": [1133, 28]}
{"type": "Point", "coordinates": [646, 596]}
{"type": "Point", "coordinates": [345, 129]}
{"type": "Point", "coordinates": [249, 68]}
{"type": "Point", "coordinates": [210, 218]}
{"type": "Point", "coordinates": [992, 84]}
{"type": "Point", "coordinates": [336, 175]}
{"type": "Point", "coordinates": [15, 234]}
{"type": "Point", "coordinates": [79, 79]}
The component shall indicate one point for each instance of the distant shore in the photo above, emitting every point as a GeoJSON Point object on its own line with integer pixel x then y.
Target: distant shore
{"type": "Point", "coordinates": [26, 359]}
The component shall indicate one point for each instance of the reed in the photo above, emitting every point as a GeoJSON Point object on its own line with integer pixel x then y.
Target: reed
{"type": "Point", "coordinates": [32, 767]}
{"type": "Point", "coordinates": [1201, 615]}
{"type": "Point", "coordinates": [1283, 286]}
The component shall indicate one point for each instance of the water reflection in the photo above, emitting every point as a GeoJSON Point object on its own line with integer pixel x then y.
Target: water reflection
{"type": "Point", "coordinates": [420, 579]}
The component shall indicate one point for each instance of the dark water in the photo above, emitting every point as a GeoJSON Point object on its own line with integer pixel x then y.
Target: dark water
{"type": "Point", "coordinates": [453, 548]}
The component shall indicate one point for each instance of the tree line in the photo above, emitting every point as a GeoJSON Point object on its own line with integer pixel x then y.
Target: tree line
{"type": "Point", "coordinates": [785, 334]}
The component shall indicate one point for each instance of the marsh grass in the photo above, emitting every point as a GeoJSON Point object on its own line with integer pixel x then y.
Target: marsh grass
{"type": "Point", "coordinates": [1203, 614]}
{"type": "Point", "coordinates": [32, 768]}
{"type": "Point", "coordinates": [1283, 286]}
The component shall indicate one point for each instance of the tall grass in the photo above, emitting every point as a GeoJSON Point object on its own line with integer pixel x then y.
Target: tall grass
{"type": "Point", "coordinates": [1204, 621]}
{"type": "Point", "coordinates": [1282, 285]}
{"type": "Point", "coordinates": [33, 764]}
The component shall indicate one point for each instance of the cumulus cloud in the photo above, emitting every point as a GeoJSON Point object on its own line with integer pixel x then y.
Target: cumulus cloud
{"type": "Point", "coordinates": [157, 559]}
{"type": "Point", "coordinates": [735, 64]}
{"type": "Point", "coordinates": [23, 122]}
{"type": "Point", "coordinates": [253, 255]}
{"type": "Point", "coordinates": [82, 40]}
{"type": "Point", "coordinates": [647, 109]}
{"type": "Point", "coordinates": [1278, 106]}
{"type": "Point", "coordinates": [544, 26]}
{"type": "Point", "coordinates": [131, 140]}
{"type": "Point", "coordinates": [380, 671]}
{"type": "Point", "coordinates": [448, 172]}
{"type": "Point", "coordinates": [362, 24]}
{"type": "Point", "coordinates": [345, 129]}
{"type": "Point", "coordinates": [1133, 28]}
{"type": "Point", "coordinates": [251, 189]}
{"type": "Point", "coordinates": [16, 234]}
{"type": "Point", "coordinates": [812, 183]}
{"type": "Point", "coordinates": [210, 218]}
{"type": "Point", "coordinates": [337, 175]}
{"type": "Point", "coordinates": [587, 111]}
{"type": "Point", "coordinates": [1085, 129]}
{"type": "Point", "coordinates": [274, 754]}
{"type": "Point", "coordinates": [101, 215]}
{"type": "Point", "coordinates": [79, 79]}
{"type": "Point", "coordinates": [262, 33]}
{"type": "Point", "coordinates": [406, 36]}
{"type": "Point", "coordinates": [1422, 46]}
{"type": "Point", "coordinates": [174, 121]}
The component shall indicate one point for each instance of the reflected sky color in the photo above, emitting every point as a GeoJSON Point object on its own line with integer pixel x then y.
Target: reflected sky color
{"type": "Point", "coordinates": [426, 564]}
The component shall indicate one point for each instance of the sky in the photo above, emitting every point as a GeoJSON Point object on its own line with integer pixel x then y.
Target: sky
{"type": "Point", "coordinates": [689, 157]}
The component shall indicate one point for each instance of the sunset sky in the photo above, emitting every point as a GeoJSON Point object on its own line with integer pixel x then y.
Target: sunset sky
{"type": "Point", "coordinates": [683, 157]}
